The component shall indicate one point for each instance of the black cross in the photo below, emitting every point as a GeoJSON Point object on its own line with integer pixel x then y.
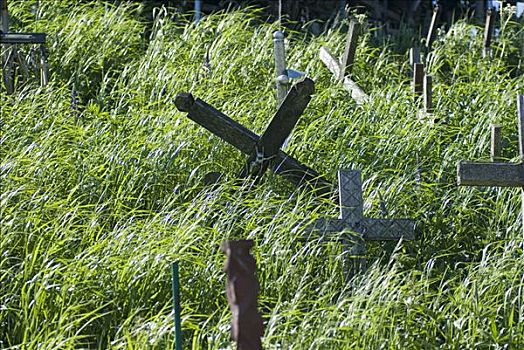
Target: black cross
{"type": "Point", "coordinates": [263, 150]}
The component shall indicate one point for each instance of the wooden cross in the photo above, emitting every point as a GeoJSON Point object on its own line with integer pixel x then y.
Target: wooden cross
{"type": "Point", "coordinates": [342, 68]}
{"type": "Point", "coordinates": [496, 173]}
{"type": "Point", "coordinates": [7, 39]}
{"type": "Point", "coordinates": [351, 217]}
{"type": "Point", "coordinates": [263, 150]}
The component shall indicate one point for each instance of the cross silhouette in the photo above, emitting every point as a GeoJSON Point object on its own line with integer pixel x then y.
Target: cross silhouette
{"type": "Point", "coordinates": [263, 151]}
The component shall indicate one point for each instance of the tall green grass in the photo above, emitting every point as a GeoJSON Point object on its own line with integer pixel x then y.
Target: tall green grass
{"type": "Point", "coordinates": [96, 203]}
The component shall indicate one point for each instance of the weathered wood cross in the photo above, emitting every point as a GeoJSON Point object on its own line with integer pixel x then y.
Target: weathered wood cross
{"type": "Point", "coordinates": [341, 69]}
{"type": "Point", "coordinates": [7, 39]}
{"type": "Point", "coordinates": [263, 150]}
{"type": "Point", "coordinates": [496, 173]}
{"type": "Point", "coordinates": [351, 218]}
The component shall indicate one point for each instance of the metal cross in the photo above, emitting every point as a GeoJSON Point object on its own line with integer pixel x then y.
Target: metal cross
{"type": "Point", "coordinates": [7, 39]}
{"type": "Point", "coordinates": [496, 173]}
{"type": "Point", "coordinates": [351, 217]}
{"type": "Point", "coordinates": [263, 150]}
{"type": "Point", "coordinates": [342, 68]}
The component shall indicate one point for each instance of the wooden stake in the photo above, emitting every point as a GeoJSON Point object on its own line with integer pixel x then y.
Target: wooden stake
{"type": "Point", "coordinates": [414, 56]}
{"type": "Point", "coordinates": [495, 142]}
{"type": "Point", "coordinates": [418, 79]}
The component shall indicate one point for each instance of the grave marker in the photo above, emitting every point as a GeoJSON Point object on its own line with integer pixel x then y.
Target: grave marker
{"type": "Point", "coordinates": [496, 173]}
{"type": "Point", "coordinates": [264, 150]}
{"type": "Point", "coordinates": [7, 39]}
{"type": "Point", "coordinates": [351, 217]}
{"type": "Point", "coordinates": [242, 290]}
{"type": "Point", "coordinates": [418, 78]}
{"type": "Point", "coordinates": [341, 69]}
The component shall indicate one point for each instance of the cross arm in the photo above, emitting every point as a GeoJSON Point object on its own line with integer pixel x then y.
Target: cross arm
{"type": "Point", "coordinates": [490, 174]}
{"type": "Point", "coordinates": [217, 122]}
{"type": "Point", "coordinates": [388, 229]}
{"type": "Point", "coordinates": [22, 38]}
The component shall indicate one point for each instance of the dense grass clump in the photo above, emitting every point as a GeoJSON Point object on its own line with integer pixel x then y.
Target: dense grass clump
{"type": "Point", "coordinates": [99, 197]}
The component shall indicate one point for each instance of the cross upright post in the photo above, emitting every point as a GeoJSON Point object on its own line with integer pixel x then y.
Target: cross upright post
{"type": "Point", "coordinates": [352, 219]}
{"type": "Point", "coordinates": [497, 174]}
{"type": "Point", "coordinates": [346, 63]}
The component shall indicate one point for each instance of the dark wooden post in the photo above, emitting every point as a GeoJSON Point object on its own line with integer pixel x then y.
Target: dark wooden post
{"type": "Point", "coordinates": [495, 142]}
{"type": "Point", "coordinates": [242, 291]}
{"type": "Point", "coordinates": [418, 79]}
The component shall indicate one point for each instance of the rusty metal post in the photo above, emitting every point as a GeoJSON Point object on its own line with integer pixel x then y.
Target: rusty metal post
{"type": "Point", "coordinates": [242, 291]}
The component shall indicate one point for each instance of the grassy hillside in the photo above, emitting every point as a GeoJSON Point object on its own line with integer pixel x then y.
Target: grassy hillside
{"type": "Point", "coordinates": [98, 197]}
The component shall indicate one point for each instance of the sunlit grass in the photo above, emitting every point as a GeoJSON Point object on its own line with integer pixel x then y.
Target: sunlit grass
{"type": "Point", "coordinates": [96, 203]}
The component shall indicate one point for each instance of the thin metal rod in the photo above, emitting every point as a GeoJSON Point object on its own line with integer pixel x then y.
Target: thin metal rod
{"type": "Point", "coordinates": [176, 306]}
{"type": "Point", "coordinates": [198, 10]}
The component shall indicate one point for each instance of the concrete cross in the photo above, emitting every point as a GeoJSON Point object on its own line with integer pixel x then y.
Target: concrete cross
{"type": "Point", "coordinates": [351, 217]}
{"type": "Point", "coordinates": [341, 69]}
{"type": "Point", "coordinates": [496, 173]}
{"type": "Point", "coordinates": [7, 39]}
{"type": "Point", "coordinates": [263, 150]}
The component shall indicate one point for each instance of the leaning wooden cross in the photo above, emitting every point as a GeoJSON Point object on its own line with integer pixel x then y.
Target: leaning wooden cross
{"type": "Point", "coordinates": [263, 150]}
{"type": "Point", "coordinates": [496, 173]}
{"type": "Point", "coordinates": [351, 218]}
{"type": "Point", "coordinates": [342, 68]}
{"type": "Point", "coordinates": [7, 39]}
